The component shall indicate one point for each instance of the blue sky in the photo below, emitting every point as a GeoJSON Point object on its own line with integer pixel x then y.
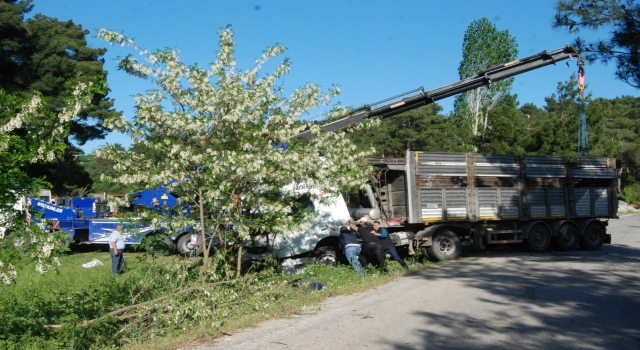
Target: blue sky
{"type": "Point", "coordinates": [371, 49]}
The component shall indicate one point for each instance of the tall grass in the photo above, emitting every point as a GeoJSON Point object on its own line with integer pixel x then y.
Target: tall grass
{"type": "Point", "coordinates": [30, 306]}
{"type": "Point", "coordinates": [631, 193]}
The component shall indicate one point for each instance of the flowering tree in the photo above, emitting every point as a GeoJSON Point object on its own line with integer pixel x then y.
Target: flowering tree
{"type": "Point", "coordinates": [29, 133]}
{"type": "Point", "coordinates": [229, 137]}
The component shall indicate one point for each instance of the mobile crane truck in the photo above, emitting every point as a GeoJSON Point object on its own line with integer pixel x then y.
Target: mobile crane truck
{"type": "Point", "coordinates": [431, 202]}
{"type": "Point", "coordinates": [88, 220]}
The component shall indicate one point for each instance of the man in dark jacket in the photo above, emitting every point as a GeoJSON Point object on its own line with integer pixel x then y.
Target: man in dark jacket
{"type": "Point", "coordinates": [370, 244]}
{"type": "Point", "coordinates": [351, 247]}
{"type": "Point", "coordinates": [386, 244]}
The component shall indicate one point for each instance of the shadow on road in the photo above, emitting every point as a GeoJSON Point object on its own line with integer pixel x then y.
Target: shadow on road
{"type": "Point", "coordinates": [570, 300]}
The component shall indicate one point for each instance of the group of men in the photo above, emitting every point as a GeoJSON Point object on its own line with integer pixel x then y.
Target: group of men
{"type": "Point", "coordinates": [376, 244]}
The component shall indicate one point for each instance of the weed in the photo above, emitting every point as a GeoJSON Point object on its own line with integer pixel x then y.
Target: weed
{"type": "Point", "coordinates": [631, 193]}
{"type": "Point", "coordinates": [158, 302]}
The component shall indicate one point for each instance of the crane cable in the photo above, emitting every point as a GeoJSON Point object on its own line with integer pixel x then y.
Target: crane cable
{"type": "Point", "coordinates": [583, 145]}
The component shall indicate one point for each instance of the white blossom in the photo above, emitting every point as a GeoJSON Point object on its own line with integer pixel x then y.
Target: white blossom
{"type": "Point", "coordinates": [220, 128]}
{"type": "Point", "coordinates": [46, 141]}
{"type": "Point", "coordinates": [7, 273]}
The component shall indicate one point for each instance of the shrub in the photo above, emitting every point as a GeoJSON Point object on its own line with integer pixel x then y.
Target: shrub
{"type": "Point", "coordinates": [631, 193]}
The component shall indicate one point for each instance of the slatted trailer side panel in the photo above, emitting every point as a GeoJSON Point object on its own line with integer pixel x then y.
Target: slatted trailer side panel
{"type": "Point", "coordinates": [479, 187]}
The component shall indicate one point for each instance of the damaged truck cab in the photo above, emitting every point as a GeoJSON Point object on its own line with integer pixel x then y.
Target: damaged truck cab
{"type": "Point", "coordinates": [313, 244]}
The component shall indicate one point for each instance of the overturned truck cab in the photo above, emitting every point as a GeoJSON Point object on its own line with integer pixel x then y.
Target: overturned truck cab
{"type": "Point", "coordinates": [311, 245]}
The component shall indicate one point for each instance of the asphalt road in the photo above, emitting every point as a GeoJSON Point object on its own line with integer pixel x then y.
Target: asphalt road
{"type": "Point", "coordinates": [504, 299]}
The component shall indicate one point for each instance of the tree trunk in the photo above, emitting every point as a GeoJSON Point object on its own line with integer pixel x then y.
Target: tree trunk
{"type": "Point", "coordinates": [203, 241]}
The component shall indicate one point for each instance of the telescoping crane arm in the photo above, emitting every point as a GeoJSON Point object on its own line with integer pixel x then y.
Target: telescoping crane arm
{"type": "Point", "coordinates": [485, 77]}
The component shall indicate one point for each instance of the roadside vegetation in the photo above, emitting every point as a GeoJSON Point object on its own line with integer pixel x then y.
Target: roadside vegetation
{"type": "Point", "coordinates": [69, 309]}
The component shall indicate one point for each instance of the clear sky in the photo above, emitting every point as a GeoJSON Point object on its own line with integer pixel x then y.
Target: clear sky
{"type": "Point", "coordinates": [372, 49]}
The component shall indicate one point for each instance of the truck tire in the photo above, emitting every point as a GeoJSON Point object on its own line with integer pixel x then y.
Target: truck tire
{"type": "Point", "coordinates": [567, 238]}
{"type": "Point", "coordinates": [326, 255]}
{"type": "Point", "coordinates": [593, 237]}
{"type": "Point", "coordinates": [186, 248]}
{"type": "Point", "coordinates": [539, 238]}
{"type": "Point", "coordinates": [445, 246]}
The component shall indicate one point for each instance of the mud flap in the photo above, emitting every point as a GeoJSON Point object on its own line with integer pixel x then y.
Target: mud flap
{"type": "Point", "coordinates": [607, 238]}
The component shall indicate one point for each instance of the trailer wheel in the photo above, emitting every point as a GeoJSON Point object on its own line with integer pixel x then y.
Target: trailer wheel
{"type": "Point", "coordinates": [445, 246]}
{"type": "Point", "coordinates": [593, 237]}
{"type": "Point", "coordinates": [186, 248]}
{"type": "Point", "coordinates": [567, 238]}
{"type": "Point", "coordinates": [539, 238]}
{"type": "Point", "coordinates": [326, 255]}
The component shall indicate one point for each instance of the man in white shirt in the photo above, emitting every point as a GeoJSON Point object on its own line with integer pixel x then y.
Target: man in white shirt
{"type": "Point", "coordinates": [116, 247]}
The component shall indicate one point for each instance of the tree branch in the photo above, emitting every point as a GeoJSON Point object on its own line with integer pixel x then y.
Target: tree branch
{"type": "Point", "coordinates": [132, 307]}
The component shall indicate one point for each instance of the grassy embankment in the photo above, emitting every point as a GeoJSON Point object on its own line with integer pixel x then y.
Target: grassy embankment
{"type": "Point", "coordinates": [30, 307]}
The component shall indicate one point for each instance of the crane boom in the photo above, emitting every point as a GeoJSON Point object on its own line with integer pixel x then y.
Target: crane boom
{"type": "Point", "coordinates": [486, 77]}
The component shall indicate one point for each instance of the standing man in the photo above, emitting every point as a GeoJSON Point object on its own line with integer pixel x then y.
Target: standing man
{"type": "Point", "coordinates": [386, 244]}
{"type": "Point", "coordinates": [116, 248]}
{"type": "Point", "coordinates": [370, 244]}
{"type": "Point", "coordinates": [351, 248]}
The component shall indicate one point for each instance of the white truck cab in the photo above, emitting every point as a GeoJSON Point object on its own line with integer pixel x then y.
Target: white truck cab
{"type": "Point", "coordinates": [316, 244]}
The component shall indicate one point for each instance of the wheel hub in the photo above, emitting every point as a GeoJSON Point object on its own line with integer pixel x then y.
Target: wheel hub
{"type": "Point", "coordinates": [537, 237]}
{"type": "Point", "coordinates": [446, 246]}
{"type": "Point", "coordinates": [326, 259]}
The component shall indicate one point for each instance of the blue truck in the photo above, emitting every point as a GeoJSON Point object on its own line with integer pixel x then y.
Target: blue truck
{"type": "Point", "coordinates": [89, 220]}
